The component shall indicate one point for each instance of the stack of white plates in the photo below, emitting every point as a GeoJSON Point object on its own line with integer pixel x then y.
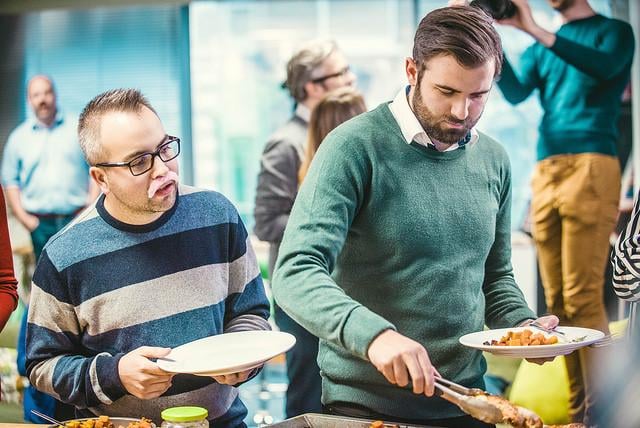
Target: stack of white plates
{"type": "Point", "coordinates": [574, 338]}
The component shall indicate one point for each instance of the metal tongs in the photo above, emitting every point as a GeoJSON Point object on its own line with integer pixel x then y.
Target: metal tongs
{"type": "Point", "coordinates": [467, 400]}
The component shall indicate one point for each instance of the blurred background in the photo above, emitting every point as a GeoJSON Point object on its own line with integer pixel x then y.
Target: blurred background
{"type": "Point", "coordinates": [213, 71]}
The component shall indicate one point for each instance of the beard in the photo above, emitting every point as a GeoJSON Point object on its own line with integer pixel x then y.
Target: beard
{"type": "Point", "coordinates": [141, 204]}
{"type": "Point", "coordinates": [561, 5]}
{"type": "Point", "coordinates": [434, 125]}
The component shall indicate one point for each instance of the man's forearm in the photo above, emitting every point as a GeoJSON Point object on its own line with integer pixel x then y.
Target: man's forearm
{"type": "Point", "coordinates": [13, 198]}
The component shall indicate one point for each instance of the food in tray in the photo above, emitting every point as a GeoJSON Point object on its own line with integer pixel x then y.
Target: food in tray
{"type": "Point", "coordinates": [525, 337]}
{"type": "Point", "coordinates": [516, 416]}
{"type": "Point", "coordinates": [104, 422]}
{"type": "Point", "coordinates": [380, 424]}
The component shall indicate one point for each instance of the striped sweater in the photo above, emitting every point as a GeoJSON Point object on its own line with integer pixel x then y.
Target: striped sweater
{"type": "Point", "coordinates": [103, 288]}
{"type": "Point", "coordinates": [625, 258]}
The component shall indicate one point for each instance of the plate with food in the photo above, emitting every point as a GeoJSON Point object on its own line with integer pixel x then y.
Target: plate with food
{"type": "Point", "coordinates": [227, 353]}
{"type": "Point", "coordinates": [529, 342]}
{"type": "Point", "coordinates": [108, 422]}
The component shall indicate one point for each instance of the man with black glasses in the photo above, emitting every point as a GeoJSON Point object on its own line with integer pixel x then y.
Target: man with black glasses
{"type": "Point", "coordinates": [152, 265]}
{"type": "Point", "coordinates": [315, 69]}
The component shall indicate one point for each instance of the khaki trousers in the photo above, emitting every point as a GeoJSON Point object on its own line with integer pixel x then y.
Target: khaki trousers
{"type": "Point", "coordinates": [574, 208]}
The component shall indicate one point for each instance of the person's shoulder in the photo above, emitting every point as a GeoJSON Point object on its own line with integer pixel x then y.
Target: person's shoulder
{"type": "Point", "coordinates": [609, 24]}
{"type": "Point", "coordinates": [490, 145]}
{"type": "Point", "coordinates": [69, 244]}
{"type": "Point", "coordinates": [291, 133]}
{"type": "Point", "coordinates": [22, 130]}
{"type": "Point", "coordinates": [366, 125]}
{"type": "Point", "coordinates": [207, 201]}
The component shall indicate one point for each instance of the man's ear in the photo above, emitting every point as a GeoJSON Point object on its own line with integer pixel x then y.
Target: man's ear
{"type": "Point", "coordinates": [313, 90]}
{"type": "Point", "coordinates": [411, 69]}
{"type": "Point", "coordinates": [100, 177]}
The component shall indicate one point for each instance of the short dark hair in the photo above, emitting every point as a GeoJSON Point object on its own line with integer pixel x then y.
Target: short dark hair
{"type": "Point", "coordinates": [115, 100]}
{"type": "Point", "coordinates": [464, 32]}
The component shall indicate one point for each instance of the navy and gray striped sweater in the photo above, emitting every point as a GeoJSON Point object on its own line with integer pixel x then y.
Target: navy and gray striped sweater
{"type": "Point", "coordinates": [103, 288]}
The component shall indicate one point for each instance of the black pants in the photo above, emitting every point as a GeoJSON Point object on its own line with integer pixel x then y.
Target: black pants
{"type": "Point", "coordinates": [352, 410]}
{"type": "Point", "coordinates": [305, 383]}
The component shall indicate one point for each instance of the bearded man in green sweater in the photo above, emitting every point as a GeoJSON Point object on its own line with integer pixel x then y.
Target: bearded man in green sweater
{"type": "Point", "coordinates": [580, 72]}
{"type": "Point", "coordinates": [399, 240]}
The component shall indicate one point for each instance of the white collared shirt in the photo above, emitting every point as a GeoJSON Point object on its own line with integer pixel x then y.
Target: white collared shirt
{"type": "Point", "coordinates": [411, 128]}
{"type": "Point", "coordinates": [303, 112]}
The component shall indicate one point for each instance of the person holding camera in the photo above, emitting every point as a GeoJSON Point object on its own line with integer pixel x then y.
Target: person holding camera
{"type": "Point", "coordinates": [580, 72]}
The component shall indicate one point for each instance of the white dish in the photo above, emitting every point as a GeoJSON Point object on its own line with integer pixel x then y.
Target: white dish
{"type": "Point", "coordinates": [575, 338]}
{"type": "Point", "coordinates": [227, 353]}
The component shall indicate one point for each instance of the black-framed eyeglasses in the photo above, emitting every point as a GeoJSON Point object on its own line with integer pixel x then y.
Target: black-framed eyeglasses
{"type": "Point", "coordinates": [340, 73]}
{"type": "Point", "coordinates": [140, 164]}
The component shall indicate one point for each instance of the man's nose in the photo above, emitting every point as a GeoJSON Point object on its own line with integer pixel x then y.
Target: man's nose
{"type": "Point", "coordinates": [460, 109]}
{"type": "Point", "coordinates": [159, 167]}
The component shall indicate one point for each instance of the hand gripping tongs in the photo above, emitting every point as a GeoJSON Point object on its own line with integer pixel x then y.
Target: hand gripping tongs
{"type": "Point", "coordinates": [467, 399]}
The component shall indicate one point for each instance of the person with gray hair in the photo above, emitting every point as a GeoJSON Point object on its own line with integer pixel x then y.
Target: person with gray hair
{"type": "Point", "coordinates": [314, 70]}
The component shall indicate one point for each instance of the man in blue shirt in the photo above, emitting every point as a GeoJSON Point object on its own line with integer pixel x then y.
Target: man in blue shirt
{"type": "Point", "coordinates": [47, 182]}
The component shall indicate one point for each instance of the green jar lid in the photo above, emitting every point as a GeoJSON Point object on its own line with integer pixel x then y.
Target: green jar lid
{"type": "Point", "coordinates": [184, 414]}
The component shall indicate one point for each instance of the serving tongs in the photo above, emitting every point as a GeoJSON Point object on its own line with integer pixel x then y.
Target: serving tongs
{"type": "Point", "coordinates": [48, 418]}
{"type": "Point", "coordinates": [466, 399]}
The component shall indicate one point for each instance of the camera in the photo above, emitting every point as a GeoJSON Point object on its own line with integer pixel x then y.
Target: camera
{"type": "Point", "coordinates": [498, 9]}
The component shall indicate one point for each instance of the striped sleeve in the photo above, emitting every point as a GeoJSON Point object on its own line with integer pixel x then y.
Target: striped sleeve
{"type": "Point", "coordinates": [56, 362]}
{"type": "Point", "coordinates": [626, 259]}
{"type": "Point", "coordinates": [246, 307]}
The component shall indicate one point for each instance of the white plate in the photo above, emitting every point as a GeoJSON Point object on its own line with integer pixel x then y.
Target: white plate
{"type": "Point", "coordinates": [576, 337]}
{"type": "Point", "coordinates": [227, 353]}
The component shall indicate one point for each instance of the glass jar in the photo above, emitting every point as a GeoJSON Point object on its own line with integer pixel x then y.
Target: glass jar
{"type": "Point", "coordinates": [185, 417]}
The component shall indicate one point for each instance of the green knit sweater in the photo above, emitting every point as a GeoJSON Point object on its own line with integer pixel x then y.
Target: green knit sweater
{"type": "Point", "coordinates": [581, 79]}
{"type": "Point", "coordinates": [389, 235]}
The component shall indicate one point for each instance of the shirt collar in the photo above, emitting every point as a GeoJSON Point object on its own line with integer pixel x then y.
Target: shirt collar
{"type": "Point", "coordinates": [57, 121]}
{"type": "Point", "coordinates": [303, 112]}
{"type": "Point", "coordinates": [411, 128]}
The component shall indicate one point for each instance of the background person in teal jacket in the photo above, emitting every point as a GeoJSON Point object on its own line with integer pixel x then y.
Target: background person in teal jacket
{"type": "Point", "coordinates": [580, 72]}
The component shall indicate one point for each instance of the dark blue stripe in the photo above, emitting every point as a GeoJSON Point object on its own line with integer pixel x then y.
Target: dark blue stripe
{"type": "Point", "coordinates": [143, 262]}
{"type": "Point", "coordinates": [252, 301]}
{"type": "Point", "coordinates": [195, 210]}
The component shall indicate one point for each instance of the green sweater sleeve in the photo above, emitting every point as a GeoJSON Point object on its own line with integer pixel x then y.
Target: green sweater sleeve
{"type": "Point", "coordinates": [504, 299]}
{"type": "Point", "coordinates": [517, 87]}
{"type": "Point", "coordinates": [302, 283]}
{"type": "Point", "coordinates": [610, 58]}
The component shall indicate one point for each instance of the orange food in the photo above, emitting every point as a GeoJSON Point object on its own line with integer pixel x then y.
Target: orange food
{"type": "Point", "coordinates": [376, 424]}
{"type": "Point", "coordinates": [525, 337]}
{"type": "Point", "coordinates": [104, 422]}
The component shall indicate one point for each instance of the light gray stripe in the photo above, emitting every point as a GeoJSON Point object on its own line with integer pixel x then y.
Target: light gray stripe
{"type": "Point", "coordinates": [42, 376]}
{"type": "Point", "coordinates": [162, 297]}
{"type": "Point", "coordinates": [165, 296]}
{"type": "Point", "coordinates": [48, 312]}
{"type": "Point", "coordinates": [95, 383]}
{"type": "Point", "coordinates": [247, 322]}
{"type": "Point", "coordinates": [243, 270]}
{"type": "Point", "coordinates": [215, 397]}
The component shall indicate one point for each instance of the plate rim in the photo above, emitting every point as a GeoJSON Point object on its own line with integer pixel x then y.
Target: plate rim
{"type": "Point", "coordinates": [536, 351]}
{"type": "Point", "coordinates": [291, 341]}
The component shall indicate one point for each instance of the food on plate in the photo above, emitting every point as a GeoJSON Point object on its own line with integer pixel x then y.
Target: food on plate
{"type": "Point", "coordinates": [516, 416]}
{"type": "Point", "coordinates": [573, 425]}
{"type": "Point", "coordinates": [104, 422]}
{"type": "Point", "coordinates": [525, 337]}
{"type": "Point", "coordinates": [380, 424]}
